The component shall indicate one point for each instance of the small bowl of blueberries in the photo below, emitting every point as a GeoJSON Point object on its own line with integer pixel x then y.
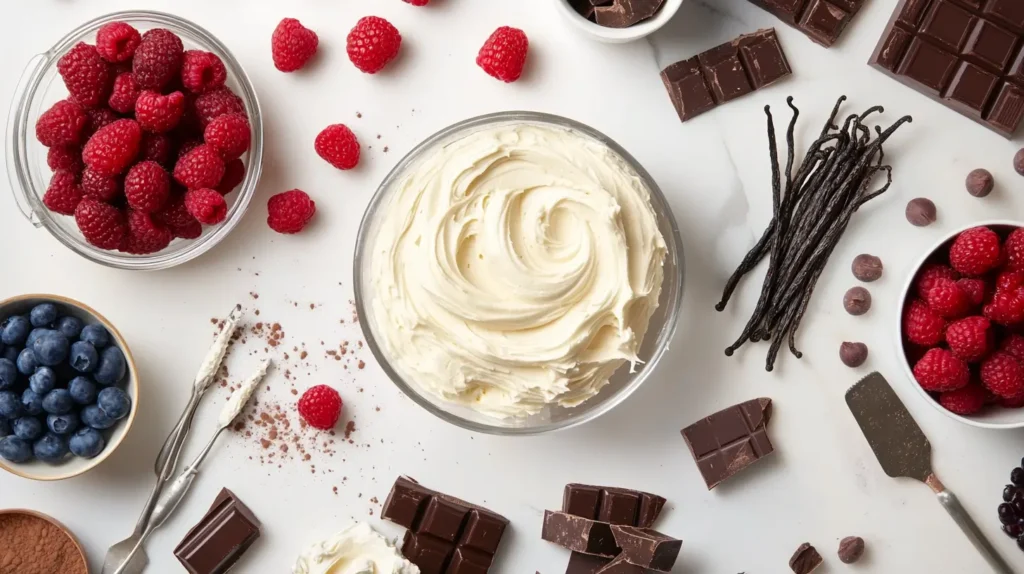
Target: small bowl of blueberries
{"type": "Point", "coordinates": [68, 387]}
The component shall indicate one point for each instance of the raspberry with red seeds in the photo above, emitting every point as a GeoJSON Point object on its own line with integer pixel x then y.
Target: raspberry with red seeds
{"type": "Point", "coordinates": [147, 186]}
{"type": "Point", "coordinates": [124, 94]}
{"type": "Point", "coordinates": [929, 274]}
{"type": "Point", "coordinates": [158, 148]}
{"type": "Point", "coordinates": [158, 58]}
{"type": "Point", "coordinates": [970, 338]}
{"type": "Point", "coordinates": [975, 289]}
{"type": "Point", "coordinates": [113, 148]}
{"type": "Point", "coordinates": [922, 325]}
{"type": "Point", "coordinates": [176, 218]}
{"type": "Point", "coordinates": [1006, 307]}
{"type": "Point", "coordinates": [86, 75]}
{"type": "Point", "coordinates": [159, 113]}
{"type": "Point", "coordinates": [100, 187]}
{"type": "Point", "coordinates": [234, 174]}
{"type": "Point", "coordinates": [1014, 345]}
{"type": "Point", "coordinates": [61, 125]}
{"type": "Point", "coordinates": [966, 401]}
{"type": "Point", "coordinates": [117, 41]}
{"type": "Point", "coordinates": [975, 251]}
{"type": "Point", "coordinates": [1013, 247]}
{"type": "Point", "coordinates": [939, 371]}
{"type": "Point", "coordinates": [186, 147]}
{"type": "Point", "coordinates": [289, 212]}
{"type": "Point", "coordinates": [63, 194]}
{"type": "Point", "coordinates": [97, 119]}
{"type": "Point", "coordinates": [372, 43]}
{"type": "Point", "coordinates": [946, 299]}
{"type": "Point", "coordinates": [144, 235]}
{"type": "Point", "coordinates": [201, 167]}
{"type": "Point", "coordinates": [292, 45]}
{"type": "Point", "coordinates": [202, 72]}
{"type": "Point", "coordinates": [338, 146]}
{"type": "Point", "coordinates": [217, 103]}
{"type": "Point", "coordinates": [229, 134]}
{"type": "Point", "coordinates": [101, 224]}
{"type": "Point", "coordinates": [503, 55]}
{"type": "Point", "coordinates": [1003, 375]}
{"type": "Point", "coordinates": [66, 158]}
{"type": "Point", "coordinates": [1010, 280]}
{"type": "Point", "coordinates": [206, 205]}
{"type": "Point", "coordinates": [1012, 403]}
{"type": "Point", "coordinates": [320, 407]}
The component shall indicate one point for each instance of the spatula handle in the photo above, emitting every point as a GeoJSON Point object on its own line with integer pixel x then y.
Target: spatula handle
{"type": "Point", "coordinates": [966, 523]}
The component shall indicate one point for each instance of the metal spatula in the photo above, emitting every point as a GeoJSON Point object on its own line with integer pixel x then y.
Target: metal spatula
{"type": "Point", "coordinates": [903, 450]}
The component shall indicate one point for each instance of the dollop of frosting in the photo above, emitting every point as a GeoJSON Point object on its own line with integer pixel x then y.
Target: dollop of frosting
{"type": "Point", "coordinates": [516, 267]}
{"type": "Point", "coordinates": [358, 549]}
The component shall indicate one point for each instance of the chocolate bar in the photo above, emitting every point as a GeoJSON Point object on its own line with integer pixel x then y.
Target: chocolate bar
{"type": "Point", "coordinates": [730, 440]}
{"type": "Point", "coordinates": [725, 72]}
{"type": "Point", "coordinates": [227, 530]}
{"type": "Point", "coordinates": [821, 20]}
{"type": "Point", "coordinates": [445, 535]}
{"type": "Point", "coordinates": [967, 55]}
{"type": "Point", "coordinates": [612, 505]}
{"type": "Point", "coordinates": [579, 534]}
{"type": "Point", "coordinates": [647, 548]}
{"type": "Point", "coordinates": [625, 13]}
{"type": "Point", "coordinates": [805, 560]}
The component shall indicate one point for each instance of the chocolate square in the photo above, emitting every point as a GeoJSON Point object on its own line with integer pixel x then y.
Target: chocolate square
{"type": "Point", "coordinates": [824, 20]}
{"type": "Point", "coordinates": [990, 46]}
{"type": "Point", "coordinates": [404, 504]}
{"type": "Point", "coordinates": [728, 441]}
{"type": "Point", "coordinates": [1008, 110]}
{"type": "Point", "coordinates": [579, 534]}
{"type": "Point", "coordinates": [764, 59]}
{"type": "Point", "coordinates": [648, 548]}
{"type": "Point", "coordinates": [725, 73]}
{"type": "Point", "coordinates": [427, 552]}
{"type": "Point", "coordinates": [1016, 72]}
{"type": "Point", "coordinates": [483, 531]}
{"type": "Point", "coordinates": [948, 24]}
{"type": "Point", "coordinates": [443, 519]}
{"type": "Point", "coordinates": [1008, 12]}
{"type": "Point", "coordinates": [929, 66]}
{"type": "Point", "coordinates": [468, 561]}
{"type": "Point", "coordinates": [787, 10]}
{"type": "Point", "coordinates": [891, 53]}
{"type": "Point", "coordinates": [619, 507]}
{"type": "Point", "coordinates": [972, 87]}
{"type": "Point", "coordinates": [581, 500]}
{"type": "Point", "coordinates": [912, 12]}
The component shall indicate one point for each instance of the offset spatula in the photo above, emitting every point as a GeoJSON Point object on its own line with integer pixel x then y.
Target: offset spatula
{"type": "Point", "coordinates": [903, 450]}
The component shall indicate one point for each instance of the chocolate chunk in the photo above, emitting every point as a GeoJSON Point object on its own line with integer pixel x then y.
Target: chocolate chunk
{"type": "Point", "coordinates": [725, 72]}
{"type": "Point", "coordinates": [821, 20]}
{"type": "Point", "coordinates": [867, 267]}
{"type": "Point", "coordinates": [730, 440]}
{"type": "Point", "coordinates": [220, 538]}
{"type": "Point", "coordinates": [853, 354]}
{"type": "Point", "coordinates": [580, 563]}
{"type": "Point", "coordinates": [579, 534]}
{"type": "Point", "coordinates": [980, 182]}
{"type": "Point", "coordinates": [612, 505]}
{"type": "Point", "coordinates": [851, 549]}
{"type": "Point", "coordinates": [963, 54]}
{"type": "Point", "coordinates": [621, 566]}
{"type": "Point", "coordinates": [921, 212]}
{"type": "Point", "coordinates": [805, 560]}
{"type": "Point", "coordinates": [647, 548]}
{"type": "Point", "coordinates": [857, 300]}
{"type": "Point", "coordinates": [625, 13]}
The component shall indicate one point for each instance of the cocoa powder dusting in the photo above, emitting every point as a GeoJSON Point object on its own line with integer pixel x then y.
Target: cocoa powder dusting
{"type": "Point", "coordinates": [33, 545]}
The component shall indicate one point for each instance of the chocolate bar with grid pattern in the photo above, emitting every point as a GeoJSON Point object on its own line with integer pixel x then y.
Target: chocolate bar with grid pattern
{"type": "Point", "coordinates": [612, 505]}
{"type": "Point", "coordinates": [730, 440]}
{"type": "Point", "coordinates": [821, 20]}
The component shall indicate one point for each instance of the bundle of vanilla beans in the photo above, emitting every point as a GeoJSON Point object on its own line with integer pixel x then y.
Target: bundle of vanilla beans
{"type": "Point", "coordinates": [809, 215]}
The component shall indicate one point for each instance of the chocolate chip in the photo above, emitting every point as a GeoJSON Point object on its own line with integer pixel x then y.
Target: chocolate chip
{"type": "Point", "coordinates": [851, 549]}
{"type": "Point", "coordinates": [805, 560]}
{"type": "Point", "coordinates": [857, 301]}
{"type": "Point", "coordinates": [921, 212]}
{"type": "Point", "coordinates": [867, 268]}
{"type": "Point", "coordinates": [980, 183]}
{"type": "Point", "coordinates": [1018, 162]}
{"type": "Point", "coordinates": [853, 354]}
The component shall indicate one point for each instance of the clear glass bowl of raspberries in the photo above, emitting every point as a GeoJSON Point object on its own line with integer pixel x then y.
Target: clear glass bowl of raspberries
{"type": "Point", "coordinates": [961, 329]}
{"type": "Point", "coordinates": [136, 141]}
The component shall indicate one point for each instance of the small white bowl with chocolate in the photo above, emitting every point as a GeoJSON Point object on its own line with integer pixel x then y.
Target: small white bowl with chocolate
{"type": "Point", "coordinates": [618, 21]}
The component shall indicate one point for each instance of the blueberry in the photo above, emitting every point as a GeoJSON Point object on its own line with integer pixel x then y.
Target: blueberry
{"type": "Point", "coordinates": [1006, 514]}
{"type": "Point", "coordinates": [15, 330]}
{"type": "Point", "coordinates": [42, 314]}
{"type": "Point", "coordinates": [83, 390]}
{"type": "Point", "coordinates": [51, 448]}
{"type": "Point", "coordinates": [43, 380]}
{"type": "Point", "coordinates": [35, 334]}
{"type": "Point", "coordinates": [51, 348]}
{"type": "Point", "coordinates": [87, 443]}
{"type": "Point", "coordinates": [32, 402]}
{"type": "Point", "coordinates": [95, 334]}
{"type": "Point", "coordinates": [62, 424]}
{"type": "Point", "coordinates": [96, 418]}
{"type": "Point", "coordinates": [27, 428]}
{"type": "Point", "coordinates": [84, 357]}
{"type": "Point", "coordinates": [8, 374]}
{"type": "Point", "coordinates": [70, 327]}
{"type": "Point", "coordinates": [11, 354]}
{"type": "Point", "coordinates": [5, 428]}
{"type": "Point", "coordinates": [10, 405]}
{"type": "Point", "coordinates": [15, 450]}
{"type": "Point", "coordinates": [112, 367]}
{"type": "Point", "coordinates": [1017, 476]}
{"type": "Point", "coordinates": [26, 362]}
{"type": "Point", "coordinates": [114, 403]}
{"type": "Point", "coordinates": [58, 402]}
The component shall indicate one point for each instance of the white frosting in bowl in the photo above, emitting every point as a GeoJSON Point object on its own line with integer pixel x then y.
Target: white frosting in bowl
{"type": "Point", "coordinates": [358, 549]}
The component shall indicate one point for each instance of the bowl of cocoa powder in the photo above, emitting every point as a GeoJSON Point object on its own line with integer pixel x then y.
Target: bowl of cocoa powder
{"type": "Point", "coordinates": [34, 543]}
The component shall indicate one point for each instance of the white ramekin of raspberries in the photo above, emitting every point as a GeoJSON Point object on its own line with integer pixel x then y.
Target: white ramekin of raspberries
{"type": "Point", "coordinates": [136, 141]}
{"type": "Point", "coordinates": [961, 326]}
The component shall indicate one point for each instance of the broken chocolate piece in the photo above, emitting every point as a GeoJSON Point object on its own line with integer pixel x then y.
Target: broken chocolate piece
{"type": "Point", "coordinates": [648, 548]}
{"type": "Point", "coordinates": [805, 560]}
{"type": "Point", "coordinates": [730, 440]}
{"type": "Point", "coordinates": [580, 563]}
{"type": "Point", "coordinates": [220, 538]}
{"type": "Point", "coordinates": [821, 20]}
{"type": "Point", "coordinates": [579, 534]}
{"type": "Point", "coordinates": [612, 505]}
{"type": "Point", "coordinates": [625, 13]}
{"type": "Point", "coordinates": [621, 566]}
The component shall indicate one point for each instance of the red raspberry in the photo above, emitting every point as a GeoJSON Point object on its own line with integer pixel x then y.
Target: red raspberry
{"type": "Point", "coordinates": [503, 55]}
{"type": "Point", "coordinates": [975, 251]}
{"type": "Point", "coordinates": [158, 148]}
{"type": "Point", "coordinates": [931, 272]}
{"type": "Point", "coordinates": [175, 217]}
{"type": "Point", "coordinates": [100, 187]}
{"type": "Point", "coordinates": [922, 326]}
{"type": "Point", "coordinates": [87, 75]}
{"type": "Point", "coordinates": [970, 338]}
{"type": "Point", "coordinates": [320, 407]}
{"type": "Point", "coordinates": [215, 104]}
{"type": "Point", "coordinates": [1014, 345]}
{"type": "Point", "coordinates": [186, 147]}
{"type": "Point", "coordinates": [1003, 375]}
{"type": "Point", "coordinates": [61, 125]}
{"type": "Point", "coordinates": [158, 113]}
{"type": "Point", "coordinates": [144, 235]}
{"type": "Point", "coordinates": [117, 41]}
{"type": "Point", "coordinates": [206, 205]}
{"type": "Point", "coordinates": [102, 225]}
{"type": "Point", "coordinates": [292, 45]}
{"type": "Point", "coordinates": [66, 158]}
{"type": "Point", "coordinates": [200, 168]}
{"type": "Point", "coordinates": [202, 71]}
{"type": "Point", "coordinates": [234, 174]}
{"type": "Point", "coordinates": [373, 43]}
{"type": "Point", "coordinates": [940, 371]}
{"type": "Point", "coordinates": [158, 59]}
{"type": "Point", "coordinates": [975, 289]}
{"type": "Point", "coordinates": [146, 187]}
{"type": "Point", "coordinates": [417, 2]}
{"type": "Point", "coordinates": [1006, 307]}
{"type": "Point", "coordinates": [113, 148]}
{"type": "Point", "coordinates": [1010, 280]}
{"type": "Point", "coordinates": [98, 118]}
{"type": "Point", "coordinates": [1014, 249]}
{"type": "Point", "coordinates": [946, 299]}
{"type": "Point", "coordinates": [124, 95]}
{"type": "Point", "coordinates": [1014, 403]}
{"type": "Point", "coordinates": [63, 194]}
{"type": "Point", "coordinates": [338, 146]}
{"type": "Point", "coordinates": [966, 401]}
{"type": "Point", "coordinates": [229, 134]}
{"type": "Point", "coordinates": [289, 212]}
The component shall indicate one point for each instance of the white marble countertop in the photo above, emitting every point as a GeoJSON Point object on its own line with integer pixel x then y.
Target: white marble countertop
{"type": "Point", "coordinates": [823, 482]}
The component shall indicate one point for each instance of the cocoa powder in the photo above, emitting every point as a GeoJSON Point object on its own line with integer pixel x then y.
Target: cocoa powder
{"type": "Point", "coordinates": [32, 545]}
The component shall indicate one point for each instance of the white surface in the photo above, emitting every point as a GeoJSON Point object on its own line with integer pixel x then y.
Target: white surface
{"type": "Point", "coordinates": [823, 482]}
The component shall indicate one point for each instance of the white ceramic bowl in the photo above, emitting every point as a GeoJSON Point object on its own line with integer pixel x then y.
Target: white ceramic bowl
{"type": "Point", "coordinates": [619, 35]}
{"type": "Point", "coordinates": [993, 416]}
{"type": "Point", "coordinates": [73, 465]}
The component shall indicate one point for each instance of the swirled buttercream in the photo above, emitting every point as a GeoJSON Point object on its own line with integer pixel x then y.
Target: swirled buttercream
{"type": "Point", "coordinates": [358, 549]}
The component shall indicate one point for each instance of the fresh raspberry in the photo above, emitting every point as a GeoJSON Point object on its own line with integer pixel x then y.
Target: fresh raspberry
{"type": "Point", "coordinates": [215, 104]}
{"type": "Point", "coordinates": [946, 299]}
{"type": "Point", "coordinates": [1013, 403]}
{"type": "Point", "coordinates": [229, 134]}
{"type": "Point", "coordinates": [929, 274]}
{"type": "Point", "coordinates": [320, 407]}
{"type": "Point", "coordinates": [975, 251]}
{"type": "Point", "coordinates": [158, 113]}
{"type": "Point", "coordinates": [113, 148]}
{"type": "Point", "coordinates": [1010, 280]}
{"type": "Point", "coordinates": [966, 401]}
{"type": "Point", "coordinates": [206, 205]}
{"type": "Point", "coordinates": [338, 146]}
{"type": "Point", "coordinates": [61, 125]}
{"type": "Point", "coordinates": [124, 95]}
{"type": "Point", "coordinates": [158, 59]}
{"type": "Point", "coordinates": [940, 371]}
{"type": "Point", "coordinates": [202, 72]}
{"type": "Point", "coordinates": [175, 217]}
{"type": "Point", "coordinates": [1014, 345]}
{"type": "Point", "coordinates": [98, 118]}
{"type": "Point", "coordinates": [975, 289]}
{"type": "Point", "coordinates": [63, 194]}
{"type": "Point", "coordinates": [1003, 375]}
{"type": "Point", "coordinates": [417, 2]}
{"type": "Point", "coordinates": [970, 338]}
{"type": "Point", "coordinates": [66, 158]}
{"type": "Point", "coordinates": [144, 235]}
{"type": "Point", "coordinates": [146, 187]}
{"type": "Point", "coordinates": [117, 41]}
{"type": "Point", "coordinates": [234, 174]}
{"type": "Point", "coordinates": [100, 187]}
{"type": "Point", "coordinates": [187, 146]}
{"type": "Point", "coordinates": [1006, 307]}
{"type": "Point", "coordinates": [1014, 250]}
{"type": "Point", "coordinates": [102, 225]}
{"type": "Point", "coordinates": [158, 148]}
{"type": "Point", "coordinates": [373, 43]}
{"type": "Point", "coordinates": [503, 55]}
{"type": "Point", "coordinates": [922, 326]}
{"type": "Point", "coordinates": [292, 45]}
{"type": "Point", "coordinates": [289, 212]}
{"type": "Point", "coordinates": [200, 168]}
{"type": "Point", "coordinates": [86, 74]}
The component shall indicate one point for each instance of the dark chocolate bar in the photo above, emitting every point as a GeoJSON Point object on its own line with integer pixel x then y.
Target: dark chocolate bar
{"type": "Point", "coordinates": [821, 20]}
{"type": "Point", "coordinates": [612, 505]}
{"type": "Point", "coordinates": [625, 13]}
{"type": "Point", "coordinates": [730, 440]}
{"type": "Point", "coordinates": [725, 72]}
{"type": "Point", "coordinates": [446, 535]}
{"type": "Point", "coordinates": [227, 530]}
{"type": "Point", "coordinates": [967, 55]}
{"type": "Point", "coordinates": [647, 548]}
{"type": "Point", "coordinates": [580, 563]}
{"type": "Point", "coordinates": [579, 534]}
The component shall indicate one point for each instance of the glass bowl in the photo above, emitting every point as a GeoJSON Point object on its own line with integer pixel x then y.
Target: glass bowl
{"type": "Point", "coordinates": [623, 383]}
{"type": "Point", "coordinates": [40, 86]}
